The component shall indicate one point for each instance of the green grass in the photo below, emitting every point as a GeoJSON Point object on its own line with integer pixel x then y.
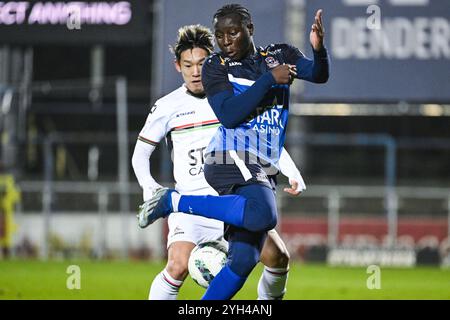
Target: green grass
{"type": "Point", "coordinates": [131, 280]}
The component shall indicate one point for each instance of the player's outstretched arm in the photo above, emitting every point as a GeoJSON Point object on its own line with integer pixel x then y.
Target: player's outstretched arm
{"type": "Point", "coordinates": [316, 70]}
{"type": "Point", "coordinates": [290, 170]}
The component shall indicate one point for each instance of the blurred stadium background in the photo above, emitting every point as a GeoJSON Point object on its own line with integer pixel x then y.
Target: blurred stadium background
{"type": "Point", "coordinates": [373, 144]}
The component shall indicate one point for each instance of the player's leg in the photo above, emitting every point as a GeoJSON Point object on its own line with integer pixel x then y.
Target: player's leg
{"type": "Point", "coordinates": [244, 245]}
{"type": "Point", "coordinates": [236, 209]}
{"type": "Point", "coordinates": [185, 231]}
{"type": "Point", "coordinates": [168, 282]}
{"type": "Point", "coordinates": [275, 257]}
{"type": "Point", "coordinates": [243, 255]}
{"type": "Point", "coordinates": [244, 209]}
{"type": "Point", "coordinates": [228, 208]}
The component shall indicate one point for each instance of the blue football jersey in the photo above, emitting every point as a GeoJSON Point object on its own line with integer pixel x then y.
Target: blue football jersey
{"type": "Point", "coordinates": [263, 133]}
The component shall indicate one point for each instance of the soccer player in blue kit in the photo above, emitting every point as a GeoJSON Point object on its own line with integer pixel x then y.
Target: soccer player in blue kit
{"type": "Point", "coordinates": [248, 90]}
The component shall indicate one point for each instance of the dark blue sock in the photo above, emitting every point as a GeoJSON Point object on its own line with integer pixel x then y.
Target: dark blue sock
{"type": "Point", "coordinates": [244, 249]}
{"type": "Point", "coordinates": [243, 254]}
{"type": "Point", "coordinates": [224, 286]}
{"type": "Point", "coordinates": [229, 209]}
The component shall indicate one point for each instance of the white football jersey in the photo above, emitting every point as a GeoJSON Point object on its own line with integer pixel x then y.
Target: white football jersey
{"type": "Point", "coordinates": [189, 123]}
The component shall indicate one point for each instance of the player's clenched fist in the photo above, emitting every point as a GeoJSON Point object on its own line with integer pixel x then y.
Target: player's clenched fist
{"type": "Point", "coordinates": [284, 74]}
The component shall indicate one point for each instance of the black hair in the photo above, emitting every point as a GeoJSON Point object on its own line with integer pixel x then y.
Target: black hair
{"type": "Point", "coordinates": [234, 8]}
{"type": "Point", "coordinates": [193, 36]}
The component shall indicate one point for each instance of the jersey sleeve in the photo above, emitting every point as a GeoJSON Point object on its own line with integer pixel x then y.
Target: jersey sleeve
{"type": "Point", "coordinates": [291, 54]}
{"type": "Point", "coordinates": [314, 70]}
{"type": "Point", "coordinates": [156, 126]}
{"type": "Point", "coordinates": [215, 76]}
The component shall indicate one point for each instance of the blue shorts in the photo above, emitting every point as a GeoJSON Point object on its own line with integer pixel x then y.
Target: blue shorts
{"type": "Point", "coordinates": [230, 178]}
{"type": "Point", "coordinates": [225, 178]}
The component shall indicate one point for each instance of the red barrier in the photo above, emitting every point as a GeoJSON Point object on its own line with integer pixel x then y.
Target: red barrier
{"type": "Point", "coordinates": [377, 227]}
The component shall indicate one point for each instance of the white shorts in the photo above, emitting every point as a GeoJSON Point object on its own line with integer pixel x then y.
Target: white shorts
{"type": "Point", "coordinates": [192, 228]}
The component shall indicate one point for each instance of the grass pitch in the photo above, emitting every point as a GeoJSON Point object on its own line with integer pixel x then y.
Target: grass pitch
{"type": "Point", "coordinates": [23, 279]}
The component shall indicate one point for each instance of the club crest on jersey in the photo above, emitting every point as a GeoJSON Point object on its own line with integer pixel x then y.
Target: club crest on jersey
{"type": "Point", "coordinates": [272, 62]}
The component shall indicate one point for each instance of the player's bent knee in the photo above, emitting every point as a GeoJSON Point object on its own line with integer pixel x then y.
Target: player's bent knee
{"type": "Point", "coordinates": [177, 268]}
{"type": "Point", "coordinates": [275, 257]}
{"type": "Point", "coordinates": [264, 224]}
{"type": "Point", "coordinates": [281, 259]}
{"type": "Point", "coordinates": [274, 253]}
{"type": "Point", "coordinates": [259, 216]}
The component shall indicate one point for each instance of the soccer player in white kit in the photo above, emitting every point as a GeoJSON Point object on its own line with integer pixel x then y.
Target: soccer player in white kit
{"type": "Point", "coordinates": [187, 120]}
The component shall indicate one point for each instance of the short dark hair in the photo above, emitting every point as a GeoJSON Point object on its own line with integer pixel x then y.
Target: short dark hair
{"type": "Point", "coordinates": [193, 36]}
{"type": "Point", "coordinates": [234, 8]}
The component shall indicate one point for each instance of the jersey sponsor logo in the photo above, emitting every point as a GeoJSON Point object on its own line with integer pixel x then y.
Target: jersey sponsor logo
{"type": "Point", "coordinates": [197, 157]}
{"type": "Point", "coordinates": [195, 171]}
{"type": "Point", "coordinates": [235, 63]}
{"type": "Point", "coordinates": [260, 140]}
{"type": "Point", "coordinates": [268, 121]}
{"type": "Point", "coordinates": [262, 128]}
{"type": "Point", "coordinates": [182, 114]}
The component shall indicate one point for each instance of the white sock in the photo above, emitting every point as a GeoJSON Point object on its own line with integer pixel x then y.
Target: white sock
{"type": "Point", "coordinates": [175, 200]}
{"type": "Point", "coordinates": [164, 287]}
{"type": "Point", "coordinates": [272, 284]}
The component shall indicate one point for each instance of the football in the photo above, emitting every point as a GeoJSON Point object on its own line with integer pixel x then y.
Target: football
{"type": "Point", "coordinates": [206, 260]}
